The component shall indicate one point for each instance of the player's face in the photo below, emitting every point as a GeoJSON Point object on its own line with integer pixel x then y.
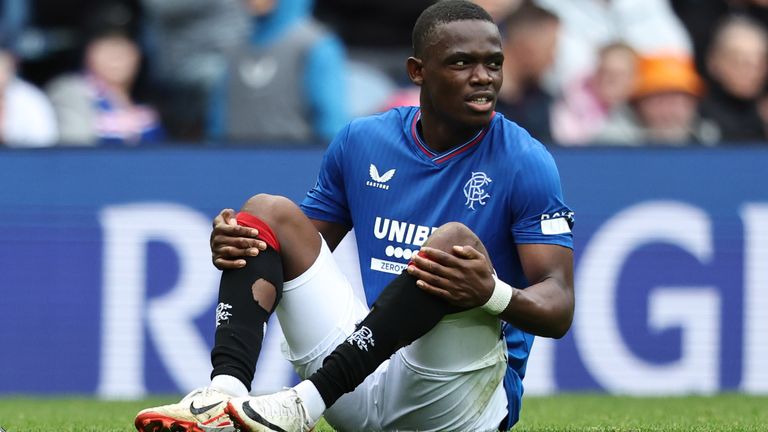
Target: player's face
{"type": "Point", "coordinates": [461, 72]}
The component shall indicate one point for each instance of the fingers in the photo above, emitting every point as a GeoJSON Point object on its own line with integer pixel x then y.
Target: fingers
{"type": "Point", "coordinates": [230, 216]}
{"type": "Point", "coordinates": [441, 262]}
{"type": "Point", "coordinates": [225, 233]}
{"type": "Point", "coordinates": [227, 252]}
{"type": "Point", "coordinates": [235, 230]}
{"type": "Point", "coordinates": [226, 223]}
{"type": "Point", "coordinates": [427, 277]}
{"type": "Point", "coordinates": [242, 243]}
{"type": "Point", "coordinates": [424, 265]}
{"type": "Point", "coordinates": [230, 257]}
{"type": "Point", "coordinates": [224, 217]}
{"type": "Point", "coordinates": [427, 257]}
{"type": "Point", "coordinates": [233, 252]}
{"type": "Point", "coordinates": [224, 264]}
{"type": "Point", "coordinates": [438, 290]}
{"type": "Point", "coordinates": [435, 291]}
{"type": "Point", "coordinates": [220, 241]}
{"type": "Point", "coordinates": [449, 258]}
{"type": "Point", "coordinates": [467, 252]}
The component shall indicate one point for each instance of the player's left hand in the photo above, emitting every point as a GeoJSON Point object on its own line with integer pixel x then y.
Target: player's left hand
{"type": "Point", "coordinates": [462, 277]}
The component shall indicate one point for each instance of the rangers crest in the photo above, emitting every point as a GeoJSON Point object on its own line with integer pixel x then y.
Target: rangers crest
{"type": "Point", "coordinates": [222, 313]}
{"type": "Point", "coordinates": [362, 338]}
{"type": "Point", "coordinates": [475, 191]}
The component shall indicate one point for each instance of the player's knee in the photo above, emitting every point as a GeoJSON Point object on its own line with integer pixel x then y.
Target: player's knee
{"type": "Point", "coordinates": [454, 234]}
{"type": "Point", "coordinates": [298, 240]}
{"type": "Point", "coordinates": [274, 210]}
{"type": "Point", "coordinates": [450, 234]}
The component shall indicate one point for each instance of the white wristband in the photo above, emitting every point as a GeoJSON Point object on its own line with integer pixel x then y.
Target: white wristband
{"type": "Point", "coordinates": [502, 294]}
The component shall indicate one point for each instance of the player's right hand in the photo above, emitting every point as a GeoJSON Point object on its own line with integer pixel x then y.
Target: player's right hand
{"type": "Point", "coordinates": [231, 243]}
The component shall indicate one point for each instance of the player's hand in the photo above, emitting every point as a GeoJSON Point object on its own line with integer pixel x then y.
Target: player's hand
{"type": "Point", "coordinates": [231, 243]}
{"type": "Point", "coordinates": [462, 277]}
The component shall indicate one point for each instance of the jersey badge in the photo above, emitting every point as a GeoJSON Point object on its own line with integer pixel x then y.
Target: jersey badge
{"type": "Point", "coordinates": [475, 189]}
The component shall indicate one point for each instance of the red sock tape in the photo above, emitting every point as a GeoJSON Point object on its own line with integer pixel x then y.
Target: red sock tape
{"type": "Point", "coordinates": [265, 232]}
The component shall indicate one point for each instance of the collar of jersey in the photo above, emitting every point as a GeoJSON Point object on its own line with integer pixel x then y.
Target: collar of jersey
{"type": "Point", "coordinates": [439, 158]}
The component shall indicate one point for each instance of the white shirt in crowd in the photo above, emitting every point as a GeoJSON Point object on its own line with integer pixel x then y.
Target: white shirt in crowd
{"type": "Point", "coordinates": [26, 116]}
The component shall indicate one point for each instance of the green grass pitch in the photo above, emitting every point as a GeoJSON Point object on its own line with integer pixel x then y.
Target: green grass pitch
{"type": "Point", "coordinates": [576, 412]}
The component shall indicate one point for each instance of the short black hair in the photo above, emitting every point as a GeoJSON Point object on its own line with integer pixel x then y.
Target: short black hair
{"type": "Point", "coordinates": [444, 12]}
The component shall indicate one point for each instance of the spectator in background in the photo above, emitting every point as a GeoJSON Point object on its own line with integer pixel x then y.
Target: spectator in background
{"type": "Point", "coordinates": [530, 41]}
{"type": "Point", "coordinates": [499, 9]}
{"type": "Point", "coordinates": [376, 33]}
{"type": "Point", "coordinates": [586, 104]}
{"type": "Point", "coordinates": [736, 63]}
{"type": "Point", "coordinates": [701, 16]}
{"type": "Point", "coordinates": [50, 34]}
{"type": "Point", "coordinates": [377, 36]}
{"type": "Point", "coordinates": [189, 41]}
{"type": "Point", "coordinates": [287, 84]}
{"type": "Point", "coordinates": [649, 26]}
{"type": "Point", "coordinates": [663, 107]}
{"type": "Point", "coordinates": [26, 115]}
{"type": "Point", "coordinates": [95, 106]}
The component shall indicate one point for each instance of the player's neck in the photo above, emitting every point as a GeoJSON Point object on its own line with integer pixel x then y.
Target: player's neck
{"type": "Point", "coordinates": [442, 136]}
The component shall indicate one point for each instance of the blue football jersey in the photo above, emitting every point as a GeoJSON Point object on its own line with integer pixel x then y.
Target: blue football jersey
{"type": "Point", "coordinates": [379, 177]}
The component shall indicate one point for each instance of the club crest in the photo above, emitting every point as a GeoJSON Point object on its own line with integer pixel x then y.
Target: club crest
{"type": "Point", "coordinates": [362, 338]}
{"type": "Point", "coordinates": [475, 189]}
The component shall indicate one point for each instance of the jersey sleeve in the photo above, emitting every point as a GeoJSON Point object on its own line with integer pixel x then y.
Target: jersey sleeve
{"type": "Point", "coordinates": [327, 200]}
{"type": "Point", "coordinates": [540, 213]}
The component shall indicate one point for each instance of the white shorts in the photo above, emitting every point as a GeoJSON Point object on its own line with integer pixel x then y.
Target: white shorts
{"type": "Point", "coordinates": [449, 379]}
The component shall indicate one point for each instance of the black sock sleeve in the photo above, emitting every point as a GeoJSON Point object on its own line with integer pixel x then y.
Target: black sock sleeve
{"type": "Point", "coordinates": [240, 320]}
{"type": "Point", "coordinates": [401, 314]}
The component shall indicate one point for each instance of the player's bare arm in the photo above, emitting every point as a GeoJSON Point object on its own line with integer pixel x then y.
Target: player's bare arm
{"type": "Point", "coordinates": [545, 308]}
{"type": "Point", "coordinates": [331, 232]}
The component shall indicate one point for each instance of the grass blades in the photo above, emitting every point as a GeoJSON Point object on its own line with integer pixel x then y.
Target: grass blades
{"type": "Point", "coordinates": [561, 413]}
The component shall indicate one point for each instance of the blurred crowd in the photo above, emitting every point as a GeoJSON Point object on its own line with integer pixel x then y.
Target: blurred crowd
{"type": "Point", "coordinates": [576, 72]}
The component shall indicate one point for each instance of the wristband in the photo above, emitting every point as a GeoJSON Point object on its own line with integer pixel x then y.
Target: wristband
{"type": "Point", "coordinates": [502, 294]}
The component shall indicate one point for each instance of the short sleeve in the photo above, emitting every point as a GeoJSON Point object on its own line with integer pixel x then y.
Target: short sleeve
{"type": "Point", "coordinates": [540, 213]}
{"type": "Point", "coordinates": [327, 200]}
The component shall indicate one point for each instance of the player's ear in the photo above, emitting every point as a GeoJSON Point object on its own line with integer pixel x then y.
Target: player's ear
{"type": "Point", "coordinates": [415, 68]}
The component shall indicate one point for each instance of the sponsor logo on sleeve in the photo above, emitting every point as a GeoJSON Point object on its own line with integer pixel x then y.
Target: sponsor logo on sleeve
{"type": "Point", "coordinates": [556, 223]}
